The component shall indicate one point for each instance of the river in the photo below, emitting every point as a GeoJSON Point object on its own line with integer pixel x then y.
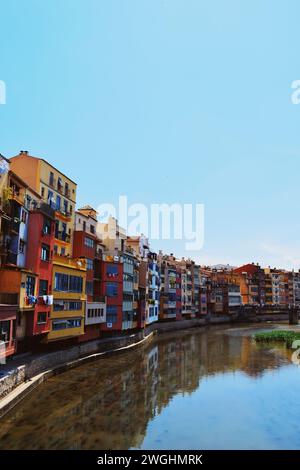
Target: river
{"type": "Point", "coordinates": [208, 388]}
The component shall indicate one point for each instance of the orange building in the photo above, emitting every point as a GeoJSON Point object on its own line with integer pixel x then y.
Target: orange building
{"type": "Point", "coordinates": [56, 189]}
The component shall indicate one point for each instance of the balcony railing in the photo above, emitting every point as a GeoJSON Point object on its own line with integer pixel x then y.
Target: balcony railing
{"type": "Point", "coordinates": [62, 236]}
{"type": "Point", "coordinates": [63, 212]}
{"type": "Point", "coordinates": [46, 209]}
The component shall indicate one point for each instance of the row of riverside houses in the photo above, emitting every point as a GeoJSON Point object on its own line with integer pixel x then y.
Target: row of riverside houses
{"type": "Point", "coordinates": [67, 278]}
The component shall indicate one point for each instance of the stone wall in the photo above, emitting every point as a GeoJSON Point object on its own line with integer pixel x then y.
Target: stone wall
{"type": "Point", "coordinates": [56, 358]}
{"type": "Point", "coordinates": [62, 359]}
{"type": "Point", "coordinates": [11, 381]}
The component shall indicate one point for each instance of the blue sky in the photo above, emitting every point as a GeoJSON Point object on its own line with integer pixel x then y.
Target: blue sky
{"type": "Point", "coordinates": [165, 101]}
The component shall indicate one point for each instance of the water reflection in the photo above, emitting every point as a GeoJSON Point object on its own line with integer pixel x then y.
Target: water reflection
{"type": "Point", "coordinates": [111, 403]}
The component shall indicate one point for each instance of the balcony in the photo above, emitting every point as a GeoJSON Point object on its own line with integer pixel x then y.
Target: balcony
{"type": "Point", "coordinates": [18, 195]}
{"type": "Point", "coordinates": [45, 209]}
{"type": "Point", "coordinates": [65, 260]}
{"type": "Point", "coordinates": [95, 313]}
{"type": "Point", "coordinates": [59, 235]}
{"type": "Point", "coordinates": [61, 213]}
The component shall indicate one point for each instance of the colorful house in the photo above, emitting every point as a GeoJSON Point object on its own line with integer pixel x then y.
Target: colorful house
{"type": "Point", "coordinates": [56, 189]}
{"type": "Point", "coordinates": [69, 299]}
{"type": "Point", "coordinates": [87, 245]}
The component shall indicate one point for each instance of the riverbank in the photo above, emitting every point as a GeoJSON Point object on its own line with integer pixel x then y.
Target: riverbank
{"type": "Point", "coordinates": [23, 374]}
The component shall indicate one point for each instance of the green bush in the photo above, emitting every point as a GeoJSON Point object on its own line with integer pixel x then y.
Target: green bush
{"type": "Point", "coordinates": [287, 337]}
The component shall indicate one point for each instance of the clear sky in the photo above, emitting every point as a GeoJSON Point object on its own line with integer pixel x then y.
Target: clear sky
{"type": "Point", "coordinates": [165, 101]}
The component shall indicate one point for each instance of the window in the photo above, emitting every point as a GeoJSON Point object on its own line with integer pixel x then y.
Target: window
{"type": "Point", "coordinates": [84, 225]}
{"type": "Point", "coordinates": [89, 264]}
{"type": "Point", "coordinates": [61, 282]}
{"type": "Point", "coordinates": [45, 253]}
{"type": "Point", "coordinates": [24, 216]}
{"type": "Point", "coordinates": [55, 248]}
{"type": "Point", "coordinates": [71, 209]}
{"type": "Point", "coordinates": [42, 318]}
{"type": "Point", "coordinates": [65, 324]}
{"type": "Point", "coordinates": [51, 178]}
{"type": "Point", "coordinates": [89, 287]}
{"type": "Point", "coordinates": [5, 331]}
{"type": "Point", "coordinates": [66, 189]}
{"type": "Point", "coordinates": [62, 251]}
{"type": "Point", "coordinates": [112, 289]}
{"type": "Point", "coordinates": [89, 242]}
{"type": "Point", "coordinates": [112, 269]}
{"type": "Point", "coordinates": [46, 226]}
{"type": "Point", "coordinates": [75, 284]}
{"type": "Point", "coordinates": [74, 305]}
{"type": "Point", "coordinates": [59, 184]}
{"type": "Point", "coordinates": [43, 192]}
{"type": "Point", "coordinates": [65, 305]}
{"type": "Point", "coordinates": [30, 285]}
{"type": "Point", "coordinates": [56, 229]}
{"type": "Point", "coordinates": [95, 312]}
{"type": "Point", "coordinates": [92, 228]}
{"type": "Point", "coordinates": [58, 202]}
{"type": "Point", "coordinates": [65, 206]}
{"type": "Point", "coordinates": [50, 199]}
{"type": "Point", "coordinates": [66, 283]}
{"type": "Point", "coordinates": [22, 246]}
{"type": "Point", "coordinates": [43, 287]}
{"type": "Point", "coordinates": [111, 314]}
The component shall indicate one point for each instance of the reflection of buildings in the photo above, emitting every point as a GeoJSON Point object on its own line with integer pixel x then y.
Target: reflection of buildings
{"type": "Point", "coordinates": [108, 404]}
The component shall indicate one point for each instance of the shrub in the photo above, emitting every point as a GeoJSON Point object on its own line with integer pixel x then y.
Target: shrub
{"type": "Point", "coordinates": [287, 337]}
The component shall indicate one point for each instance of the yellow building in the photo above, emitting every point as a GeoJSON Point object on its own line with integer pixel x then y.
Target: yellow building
{"type": "Point", "coordinates": [56, 189]}
{"type": "Point", "coordinates": [69, 298]}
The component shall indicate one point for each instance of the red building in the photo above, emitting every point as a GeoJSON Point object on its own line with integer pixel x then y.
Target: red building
{"type": "Point", "coordinates": [112, 289]}
{"type": "Point", "coordinates": [39, 260]}
{"type": "Point", "coordinates": [87, 245]}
